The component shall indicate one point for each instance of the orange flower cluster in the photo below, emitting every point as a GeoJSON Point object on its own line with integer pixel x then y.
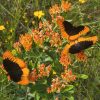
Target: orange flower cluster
{"type": "Point", "coordinates": [56, 86]}
{"type": "Point", "coordinates": [46, 25]}
{"type": "Point", "coordinates": [33, 76]}
{"type": "Point", "coordinates": [17, 46]}
{"type": "Point", "coordinates": [65, 60]}
{"type": "Point", "coordinates": [45, 32]}
{"type": "Point", "coordinates": [59, 83]}
{"type": "Point", "coordinates": [42, 71]}
{"type": "Point", "coordinates": [57, 9]}
{"type": "Point", "coordinates": [38, 37]}
{"type": "Point", "coordinates": [54, 37]}
{"type": "Point", "coordinates": [81, 56]}
{"type": "Point", "coordinates": [55, 40]}
{"type": "Point", "coordinates": [68, 76]}
{"type": "Point", "coordinates": [65, 6]}
{"type": "Point", "coordinates": [26, 41]}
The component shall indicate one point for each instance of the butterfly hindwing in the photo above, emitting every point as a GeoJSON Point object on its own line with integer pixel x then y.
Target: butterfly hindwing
{"type": "Point", "coordinates": [80, 46]}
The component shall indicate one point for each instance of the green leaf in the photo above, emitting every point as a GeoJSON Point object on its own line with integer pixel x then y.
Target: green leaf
{"type": "Point", "coordinates": [70, 98]}
{"type": "Point", "coordinates": [83, 76]}
{"type": "Point", "coordinates": [1, 59]}
{"type": "Point", "coordinates": [37, 96]}
{"type": "Point", "coordinates": [39, 88]}
{"type": "Point", "coordinates": [68, 88]}
{"type": "Point", "coordinates": [48, 59]}
{"type": "Point", "coordinates": [31, 64]}
{"type": "Point", "coordinates": [14, 52]}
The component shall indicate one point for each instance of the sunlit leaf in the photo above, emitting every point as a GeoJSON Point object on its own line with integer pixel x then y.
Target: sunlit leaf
{"type": "Point", "coordinates": [68, 88]}
{"type": "Point", "coordinates": [83, 76]}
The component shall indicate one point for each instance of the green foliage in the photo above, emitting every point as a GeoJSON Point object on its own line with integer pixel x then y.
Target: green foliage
{"type": "Point", "coordinates": [87, 84]}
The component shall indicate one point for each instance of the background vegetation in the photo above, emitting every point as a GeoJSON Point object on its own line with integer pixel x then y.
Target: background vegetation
{"type": "Point", "coordinates": [12, 14]}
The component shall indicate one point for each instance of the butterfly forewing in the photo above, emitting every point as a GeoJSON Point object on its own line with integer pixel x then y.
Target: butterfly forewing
{"type": "Point", "coordinates": [13, 70]}
{"type": "Point", "coordinates": [71, 30]}
{"type": "Point", "coordinates": [77, 30]}
{"type": "Point", "coordinates": [68, 27]}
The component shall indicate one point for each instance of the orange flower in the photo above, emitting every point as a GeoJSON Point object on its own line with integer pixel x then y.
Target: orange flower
{"type": "Point", "coordinates": [81, 56]}
{"type": "Point", "coordinates": [55, 86]}
{"type": "Point", "coordinates": [40, 25]}
{"type": "Point", "coordinates": [17, 46]}
{"type": "Point", "coordinates": [47, 25]}
{"type": "Point", "coordinates": [56, 98]}
{"type": "Point", "coordinates": [65, 60]}
{"type": "Point", "coordinates": [61, 82]}
{"type": "Point", "coordinates": [48, 90]}
{"type": "Point", "coordinates": [65, 6]}
{"type": "Point", "coordinates": [43, 70]}
{"type": "Point", "coordinates": [55, 9]}
{"type": "Point", "coordinates": [55, 40]}
{"type": "Point", "coordinates": [33, 76]}
{"type": "Point", "coordinates": [38, 37]}
{"type": "Point", "coordinates": [68, 76]}
{"type": "Point", "coordinates": [48, 34]}
{"type": "Point", "coordinates": [26, 41]}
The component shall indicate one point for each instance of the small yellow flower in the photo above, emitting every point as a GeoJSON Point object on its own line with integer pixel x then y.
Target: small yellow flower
{"type": "Point", "coordinates": [11, 30]}
{"type": "Point", "coordinates": [54, 73]}
{"type": "Point", "coordinates": [14, 52]}
{"type": "Point", "coordinates": [82, 1]}
{"type": "Point", "coordinates": [39, 14]}
{"type": "Point", "coordinates": [26, 21]}
{"type": "Point", "coordinates": [2, 27]}
{"type": "Point", "coordinates": [33, 22]}
{"type": "Point", "coordinates": [7, 22]}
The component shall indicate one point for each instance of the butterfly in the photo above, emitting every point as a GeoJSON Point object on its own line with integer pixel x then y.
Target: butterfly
{"type": "Point", "coordinates": [79, 45]}
{"type": "Point", "coordinates": [70, 32]}
{"type": "Point", "coordinates": [15, 68]}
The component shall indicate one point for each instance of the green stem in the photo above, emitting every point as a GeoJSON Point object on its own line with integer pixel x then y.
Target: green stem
{"type": "Point", "coordinates": [37, 4]}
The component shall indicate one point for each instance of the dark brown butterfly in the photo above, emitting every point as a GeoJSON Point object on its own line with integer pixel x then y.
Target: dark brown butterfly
{"type": "Point", "coordinates": [71, 32]}
{"type": "Point", "coordinates": [79, 45]}
{"type": "Point", "coordinates": [15, 68]}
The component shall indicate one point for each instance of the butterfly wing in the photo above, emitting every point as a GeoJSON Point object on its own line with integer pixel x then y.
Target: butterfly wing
{"type": "Point", "coordinates": [13, 70]}
{"type": "Point", "coordinates": [77, 30]}
{"type": "Point", "coordinates": [80, 46]}
{"type": "Point", "coordinates": [68, 27]}
{"type": "Point", "coordinates": [74, 32]}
